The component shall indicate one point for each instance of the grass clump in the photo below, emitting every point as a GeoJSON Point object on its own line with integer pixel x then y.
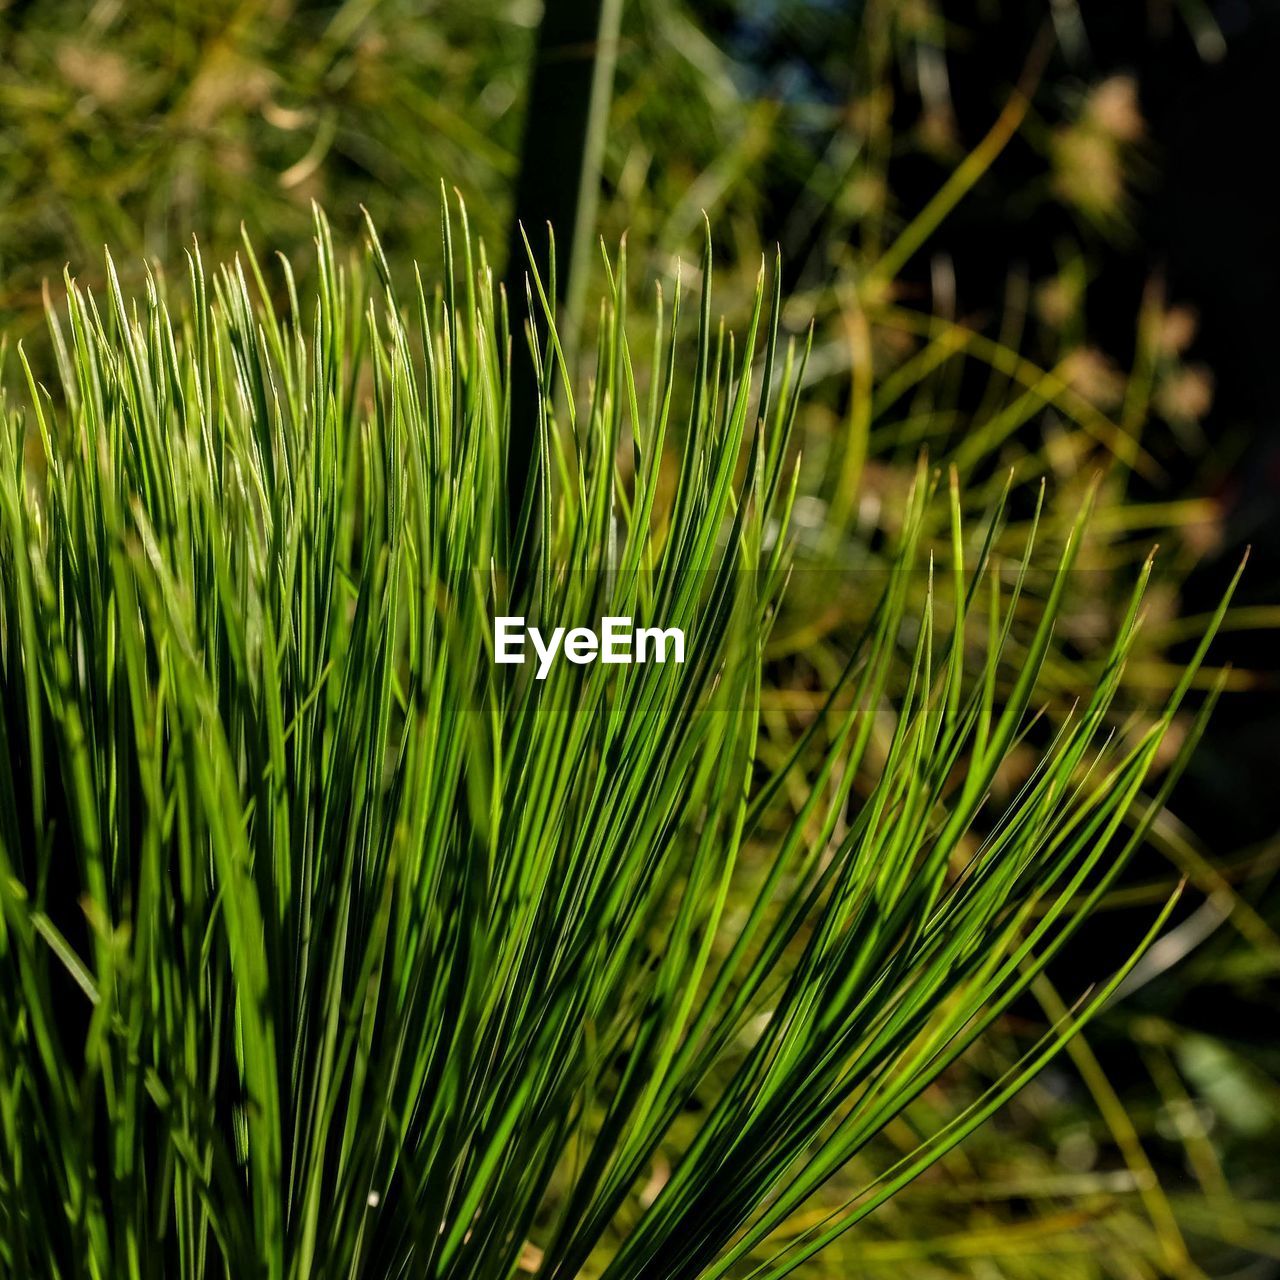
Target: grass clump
{"type": "Point", "coordinates": [331, 948]}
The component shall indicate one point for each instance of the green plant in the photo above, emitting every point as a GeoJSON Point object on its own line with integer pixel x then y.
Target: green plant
{"type": "Point", "coordinates": [329, 947]}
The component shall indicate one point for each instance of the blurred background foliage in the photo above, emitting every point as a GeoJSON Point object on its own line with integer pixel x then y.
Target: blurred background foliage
{"type": "Point", "coordinates": [1028, 236]}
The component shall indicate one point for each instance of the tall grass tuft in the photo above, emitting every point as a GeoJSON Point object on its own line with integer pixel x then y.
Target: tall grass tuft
{"type": "Point", "coordinates": [329, 947]}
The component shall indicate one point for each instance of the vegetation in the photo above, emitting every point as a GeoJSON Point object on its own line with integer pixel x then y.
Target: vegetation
{"type": "Point", "coordinates": [332, 948]}
{"type": "Point", "coordinates": [967, 230]}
